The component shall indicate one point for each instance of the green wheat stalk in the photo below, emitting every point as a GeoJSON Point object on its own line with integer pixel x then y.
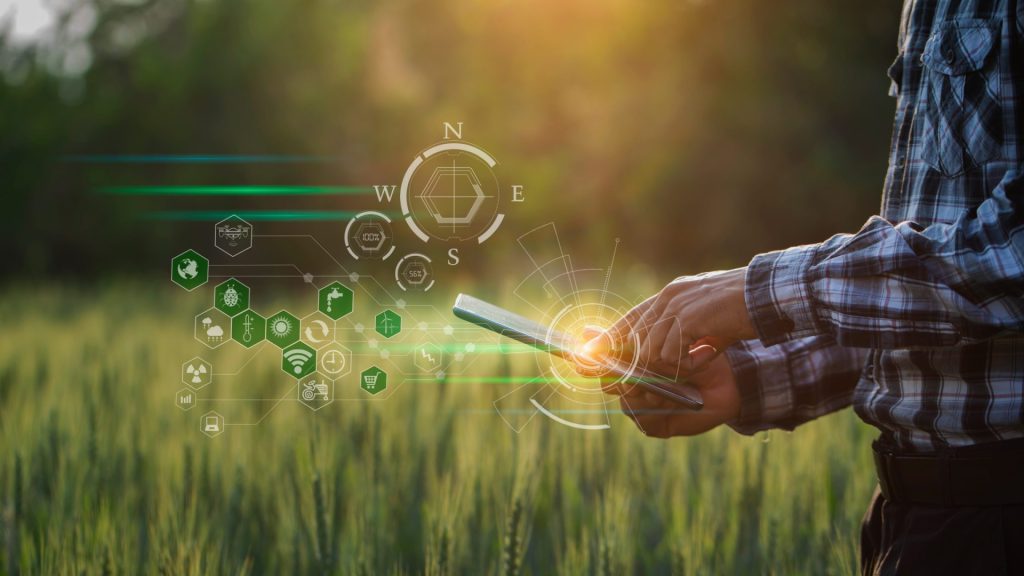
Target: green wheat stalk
{"type": "Point", "coordinates": [510, 554]}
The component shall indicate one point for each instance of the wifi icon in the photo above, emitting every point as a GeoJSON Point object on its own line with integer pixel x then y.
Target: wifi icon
{"type": "Point", "coordinates": [298, 359]}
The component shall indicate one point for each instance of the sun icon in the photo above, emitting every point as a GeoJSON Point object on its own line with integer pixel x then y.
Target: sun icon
{"type": "Point", "coordinates": [281, 326]}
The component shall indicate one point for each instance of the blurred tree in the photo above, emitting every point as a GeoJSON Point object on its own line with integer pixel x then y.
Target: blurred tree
{"type": "Point", "coordinates": [699, 132]}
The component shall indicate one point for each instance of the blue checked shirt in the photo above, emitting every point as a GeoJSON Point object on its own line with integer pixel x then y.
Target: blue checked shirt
{"type": "Point", "coordinates": [917, 318]}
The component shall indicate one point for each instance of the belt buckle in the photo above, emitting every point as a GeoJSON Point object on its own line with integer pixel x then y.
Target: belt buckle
{"type": "Point", "coordinates": [886, 482]}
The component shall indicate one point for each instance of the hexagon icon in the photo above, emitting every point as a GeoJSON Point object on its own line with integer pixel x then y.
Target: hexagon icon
{"type": "Point", "coordinates": [211, 424]}
{"type": "Point", "coordinates": [316, 390]}
{"type": "Point", "coordinates": [373, 380]}
{"type": "Point", "coordinates": [335, 300]}
{"type": "Point", "coordinates": [232, 235]}
{"type": "Point", "coordinates": [196, 373]}
{"type": "Point", "coordinates": [212, 328]}
{"type": "Point", "coordinates": [298, 360]}
{"type": "Point", "coordinates": [185, 399]}
{"type": "Point", "coordinates": [316, 330]}
{"type": "Point", "coordinates": [231, 297]}
{"type": "Point", "coordinates": [335, 360]}
{"type": "Point", "coordinates": [190, 270]}
{"type": "Point", "coordinates": [370, 237]}
{"type": "Point", "coordinates": [283, 329]}
{"type": "Point", "coordinates": [453, 195]}
{"type": "Point", "coordinates": [248, 328]}
{"type": "Point", "coordinates": [428, 357]}
{"type": "Point", "coordinates": [388, 323]}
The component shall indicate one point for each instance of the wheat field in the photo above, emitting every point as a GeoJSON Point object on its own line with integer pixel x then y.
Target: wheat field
{"type": "Point", "coordinates": [100, 473]}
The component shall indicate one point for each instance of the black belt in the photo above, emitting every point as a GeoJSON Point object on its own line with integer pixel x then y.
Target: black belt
{"type": "Point", "coordinates": [981, 475]}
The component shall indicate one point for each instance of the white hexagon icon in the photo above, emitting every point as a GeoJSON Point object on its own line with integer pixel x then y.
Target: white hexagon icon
{"type": "Point", "coordinates": [316, 330]}
{"type": "Point", "coordinates": [316, 390]}
{"type": "Point", "coordinates": [211, 424]}
{"type": "Point", "coordinates": [196, 373]}
{"type": "Point", "coordinates": [185, 399]}
{"type": "Point", "coordinates": [212, 328]}
{"type": "Point", "coordinates": [453, 195]}
{"type": "Point", "coordinates": [233, 235]}
{"type": "Point", "coordinates": [334, 360]}
{"type": "Point", "coordinates": [428, 357]}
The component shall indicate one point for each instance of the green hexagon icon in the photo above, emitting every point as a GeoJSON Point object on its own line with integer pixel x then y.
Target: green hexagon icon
{"type": "Point", "coordinates": [248, 328]}
{"type": "Point", "coordinates": [373, 380]}
{"type": "Point", "coordinates": [388, 323]}
{"type": "Point", "coordinates": [190, 270]}
{"type": "Point", "coordinates": [283, 329]}
{"type": "Point", "coordinates": [298, 360]}
{"type": "Point", "coordinates": [231, 297]}
{"type": "Point", "coordinates": [335, 300]}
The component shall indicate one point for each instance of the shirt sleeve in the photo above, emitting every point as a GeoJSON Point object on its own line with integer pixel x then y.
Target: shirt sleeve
{"type": "Point", "coordinates": [900, 285]}
{"type": "Point", "coordinates": [786, 385]}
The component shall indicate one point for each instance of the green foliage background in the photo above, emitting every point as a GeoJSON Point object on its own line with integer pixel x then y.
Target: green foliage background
{"type": "Point", "coordinates": [698, 132]}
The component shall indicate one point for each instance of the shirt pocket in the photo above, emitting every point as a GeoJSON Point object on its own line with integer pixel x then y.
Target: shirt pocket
{"type": "Point", "coordinates": [959, 104]}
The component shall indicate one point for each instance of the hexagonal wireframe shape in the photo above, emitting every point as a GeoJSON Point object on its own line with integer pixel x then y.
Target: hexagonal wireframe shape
{"type": "Point", "coordinates": [185, 399]}
{"type": "Point", "coordinates": [334, 360]}
{"type": "Point", "coordinates": [316, 330]}
{"type": "Point", "coordinates": [196, 373]}
{"type": "Point", "coordinates": [315, 390]}
{"type": "Point", "coordinates": [232, 235]}
{"type": "Point", "coordinates": [212, 328]}
{"type": "Point", "coordinates": [433, 194]}
{"type": "Point", "coordinates": [212, 424]}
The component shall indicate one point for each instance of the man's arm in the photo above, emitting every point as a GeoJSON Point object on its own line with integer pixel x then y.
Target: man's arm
{"type": "Point", "coordinates": [786, 385]}
{"type": "Point", "coordinates": [900, 285]}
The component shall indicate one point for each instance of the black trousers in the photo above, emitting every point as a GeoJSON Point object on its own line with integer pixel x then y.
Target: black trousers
{"type": "Point", "coordinates": [909, 539]}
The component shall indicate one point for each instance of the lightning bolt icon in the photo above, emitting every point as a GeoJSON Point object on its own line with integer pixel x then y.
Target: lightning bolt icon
{"type": "Point", "coordinates": [427, 355]}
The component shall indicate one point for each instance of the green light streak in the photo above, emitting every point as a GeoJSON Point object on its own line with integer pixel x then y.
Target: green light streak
{"type": "Point", "coordinates": [235, 190]}
{"type": "Point", "coordinates": [251, 215]}
{"type": "Point", "coordinates": [581, 381]}
{"type": "Point", "coordinates": [193, 159]}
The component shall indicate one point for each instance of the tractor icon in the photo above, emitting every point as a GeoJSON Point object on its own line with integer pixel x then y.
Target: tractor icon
{"type": "Point", "coordinates": [312, 390]}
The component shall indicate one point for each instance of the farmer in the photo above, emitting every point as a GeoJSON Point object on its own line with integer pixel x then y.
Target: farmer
{"type": "Point", "coordinates": [916, 320]}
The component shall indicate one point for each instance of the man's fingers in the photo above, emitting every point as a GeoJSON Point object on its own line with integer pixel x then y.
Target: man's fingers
{"type": "Point", "coordinates": [619, 332]}
{"type": "Point", "coordinates": [672, 350]}
{"type": "Point", "coordinates": [650, 345]}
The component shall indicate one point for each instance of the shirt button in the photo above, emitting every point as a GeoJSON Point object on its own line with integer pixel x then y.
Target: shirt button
{"type": "Point", "coordinates": [949, 54]}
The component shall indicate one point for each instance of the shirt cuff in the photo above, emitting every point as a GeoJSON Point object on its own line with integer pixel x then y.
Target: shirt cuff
{"type": "Point", "coordinates": [778, 295]}
{"type": "Point", "coordinates": [758, 406]}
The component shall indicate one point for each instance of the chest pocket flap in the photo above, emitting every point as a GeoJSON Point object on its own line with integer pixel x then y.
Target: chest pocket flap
{"type": "Point", "coordinates": [960, 96]}
{"type": "Point", "coordinates": [960, 46]}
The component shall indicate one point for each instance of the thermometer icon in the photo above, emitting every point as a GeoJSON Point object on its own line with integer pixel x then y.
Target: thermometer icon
{"type": "Point", "coordinates": [247, 335]}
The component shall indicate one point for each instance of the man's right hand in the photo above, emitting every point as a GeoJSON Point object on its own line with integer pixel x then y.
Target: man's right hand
{"type": "Point", "coordinates": [662, 418]}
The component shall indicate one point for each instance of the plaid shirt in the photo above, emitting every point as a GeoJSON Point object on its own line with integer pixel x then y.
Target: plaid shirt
{"type": "Point", "coordinates": [917, 318]}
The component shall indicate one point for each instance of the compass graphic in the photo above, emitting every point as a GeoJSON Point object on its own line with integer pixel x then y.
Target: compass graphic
{"type": "Point", "coordinates": [450, 193]}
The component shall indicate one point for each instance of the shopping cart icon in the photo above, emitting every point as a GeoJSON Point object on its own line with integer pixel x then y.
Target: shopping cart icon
{"type": "Point", "coordinates": [370, 380]}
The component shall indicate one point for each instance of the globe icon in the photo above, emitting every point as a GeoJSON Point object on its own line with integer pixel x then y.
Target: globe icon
{"type": "Point", "coordinates": [188, 268]}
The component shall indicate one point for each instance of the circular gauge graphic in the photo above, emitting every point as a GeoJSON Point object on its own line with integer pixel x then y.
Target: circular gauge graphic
{"type": "Point", "coordinates": [590, 308]}
{"type": "Point", "coordinates": [414, 273]}
{"type": "Point", "coordinates": [450, 193]}
{"type": "Point", "coordinates": [369, 236]}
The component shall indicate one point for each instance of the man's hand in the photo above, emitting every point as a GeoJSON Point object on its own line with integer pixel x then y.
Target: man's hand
{"type": "Point", "coordinates": [662, 418]}
{"type": "Point", "coordinates": [705, 309]}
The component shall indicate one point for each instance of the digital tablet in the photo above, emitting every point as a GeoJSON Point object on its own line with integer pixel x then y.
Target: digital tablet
{"type": "Point", "coordinates": [516, 327]}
